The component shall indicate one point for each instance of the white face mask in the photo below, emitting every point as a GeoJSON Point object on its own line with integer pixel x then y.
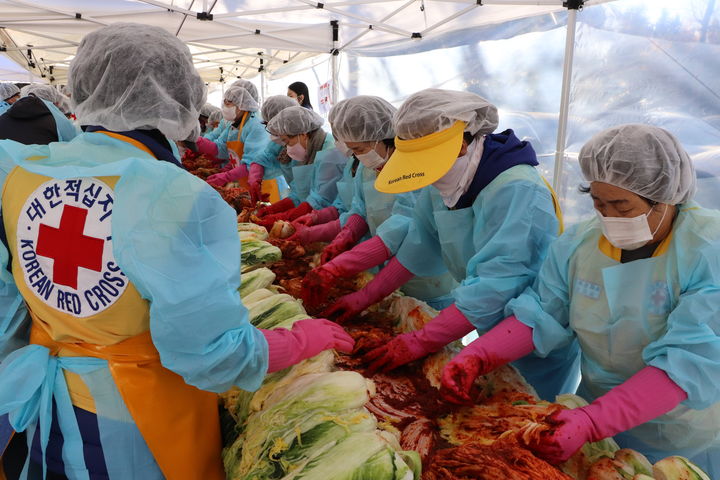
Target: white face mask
{"type": "Point", "coordinates": [455, 183]}
{"type": "Point", "coordinates": [228, 113]}
{"type": "Point", "coordinates": [276, 139]}
{"type": "Point", "coordinates": [297, 152]}
{"type": "Point", "coordinates": [372, 160]}
{"type": "Point", "coordinates": [343, 148]}
{"type": "Point", "coordinates": [629, 233]}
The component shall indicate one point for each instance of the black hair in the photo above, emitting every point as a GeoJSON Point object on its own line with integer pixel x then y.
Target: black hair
{"type": "Point", "coordinates": [586, 189]}
{"type": "Point", "coordinates": [301, 89]}
{"type": "Point", "coordinates": [468, 137]}
{"type": "Point", "coordinates": [389, 142]}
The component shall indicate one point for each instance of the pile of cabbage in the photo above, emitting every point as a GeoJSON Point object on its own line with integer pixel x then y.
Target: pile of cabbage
{"type": "Point", "coordinates": [308, 421]}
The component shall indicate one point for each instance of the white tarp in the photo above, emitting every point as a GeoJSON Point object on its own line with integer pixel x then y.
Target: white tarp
{"type": "Point", "coordinates": [278, 32]}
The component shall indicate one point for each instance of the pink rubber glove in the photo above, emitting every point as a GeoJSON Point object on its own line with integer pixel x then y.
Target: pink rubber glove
{"type": "Point", "coordinates": [353, 231]}
{"type": "Point", "coordinates": [323, 232]}
{"type": "Point", "coordinates": [206, 147]}
{"type": "Point", "coordinates": [508, 341]}
{"type": "Point", "coordinates": [288, 215]}
{"type": "Point", "coordinates": [448, 326]}
{"type": "Point", "coordinates": [390, 278]}
{"type": "Point", "coordinates": [317, 217]}
{"type": "Point", "coordinates": [641, 398]}
{"type": "Point", "coordinates": [306, 339]}
{"type": "Point", "coordinates": [255, 178]}
{"type": "Point", "coordinates": [220, 179]}
{"type": "Point", "coordinates": [363, 256]}
{"type": "Point", "coordinates": [277, 207]}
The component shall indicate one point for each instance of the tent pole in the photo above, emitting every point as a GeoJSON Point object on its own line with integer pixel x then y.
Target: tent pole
{"type": "Point", "coordinates": [334, 59]}
{"type": "Point", "coordinates": [565, 97]}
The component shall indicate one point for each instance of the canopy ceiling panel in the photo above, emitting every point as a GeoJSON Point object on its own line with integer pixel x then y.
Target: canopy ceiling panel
{"type": "Point", "coordinates": [239, 38]}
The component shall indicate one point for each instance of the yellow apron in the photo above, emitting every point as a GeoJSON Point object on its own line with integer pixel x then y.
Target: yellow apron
{"type": "Point", "coordinates": [269, 187]}
{"type": "Point", "coordinates": [179, 423]}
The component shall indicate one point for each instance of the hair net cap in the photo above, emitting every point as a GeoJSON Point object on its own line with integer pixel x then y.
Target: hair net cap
{"type": "Point", "coordinates": [274, 105]}
{"type": "Point", "coordinates": [40, 90]}
{"type": "Point", "coordinates": [215, 116]}
{"type": "Point", "coordinates": [241, 98]}
{"type": "Point", "coordinates": [362, 119]}
{"type": "Point", "coordinates": [294, 121]}
{"type": "Point", "coordinates": [129, 76]}
{"type": "Point", "coordinates": [643, 159]}
{"type": "Point", "coordinates": [8, 90]}
{"type": "Point", "coordinates": [433, 110]}
{"type": "Point", "coordinates": [249, 86]}
{"type": "Point", "coordinates": [208, 109]}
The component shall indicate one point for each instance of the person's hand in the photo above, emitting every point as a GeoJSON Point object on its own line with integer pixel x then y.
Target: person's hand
{"type": "Point", "coordinates": [348, 306]}
{"type": "Point", "coordinates": [342, 243]}
{"type": "Point", "coordinates": [307, 220]}
{"type": "Point", "coordinates": [218, 179]}
{"type": "Point", "coordinates": [255, 190]}
{"type": "Point", "coordinates": [565, 433]}
{"type": "Point", "coordinates": [404, 348]}
{"type": "Point", "coordinates": [458, 378]}
{"type": "Point", "coordinates": [277, 207]}
{"type": "Point", "coordinates": [306, 339]}
{"type": "Point", "coordinates": [316, 283]}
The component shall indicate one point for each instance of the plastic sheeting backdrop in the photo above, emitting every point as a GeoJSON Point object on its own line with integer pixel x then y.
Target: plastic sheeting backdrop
{"type": "Point", "coordinates": [636, 61]}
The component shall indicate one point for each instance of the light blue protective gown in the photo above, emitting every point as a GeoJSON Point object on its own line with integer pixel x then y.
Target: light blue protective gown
{"type": "Point", "coordinates": [253, 135]}
{"type": "Point", "coordinates": [217, 131]}
{"type": "Point", "coordinates": [167, 227]}
{"type": "Point", "coordinates": [662, 311]}
{"type": "Point", "coordinates": [346, 187]}
{"type": "Point", "coordinates": [494, 249]}
{"type": "Point", "coordinates": [4, 106]}
{"type": "Point", "coordinates": [316, 183]}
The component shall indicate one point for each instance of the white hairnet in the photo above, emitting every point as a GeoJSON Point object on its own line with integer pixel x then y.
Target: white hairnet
{"type": "Point", "coordinates": [645, 160]}
{"type": "Point", "coordinates": [40, 90]}
{"type": "Point", "coordinates": [273, 105]}
{"type": "Point", "coordinates": [249, 86]}
{"type": "Point", "coordinates": [215, 116]}
{"type": "Point", "coordinates": [129, 76]}
{"type": "Point", "coordinates": [208, 109]}
{"type": "Point", "coordinates": [432, 110]}
{"type": "Point", "coordinates": [294, 121]}
{"type": "Point", "coordinates": [362, 119]}
{"type": "Point", "coordinates": [8, 90]}
{"type": "Point", "coordinates": [241, 98]}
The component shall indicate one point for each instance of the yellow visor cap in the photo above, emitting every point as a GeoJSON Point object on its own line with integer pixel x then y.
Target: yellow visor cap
{"type": "Point", "coordinates": [421, 161]}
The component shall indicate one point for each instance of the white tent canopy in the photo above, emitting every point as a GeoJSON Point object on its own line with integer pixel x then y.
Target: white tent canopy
{"type": "Point", "coordinates": [239, 38]}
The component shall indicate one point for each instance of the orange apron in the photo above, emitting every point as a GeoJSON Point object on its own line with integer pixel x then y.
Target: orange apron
{"type": "Point", "coordinates": [179, 422]}
{"type": "Point", "coordinates": [269, 187]}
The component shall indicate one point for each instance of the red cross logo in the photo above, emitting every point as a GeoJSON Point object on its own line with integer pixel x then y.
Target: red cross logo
{"type": "Point", "coordinates": [69, 247]}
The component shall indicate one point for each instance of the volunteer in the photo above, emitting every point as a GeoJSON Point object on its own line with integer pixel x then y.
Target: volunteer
{"type": "Point", "coordinates": [299, 92]}
{"type": "Point", "coordinates": [130, 269]}
{"type": "Point", "coordinates": [249, 86]}
{"type": "Point", "coordinates": [9, 94]}
{"type": "Point", "coordinates": [266, 165]}
{"type": "Point", "coordinates": [316, 164]}
{"type": "Point", "coordinates": [364, 125]}
{"type": "Point", "coordinates": [213, 122]}
{"type": "Point", "coordinates": [638, 286]}
{"type": "Point", "coordinates": [488, 220]}
{"type": "Point", "coordinates": [204, 118]}
{"type": "Point", "coordinates": [53, 100]}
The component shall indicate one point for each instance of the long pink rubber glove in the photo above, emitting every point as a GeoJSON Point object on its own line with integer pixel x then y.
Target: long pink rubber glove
{"type": "Point", "coordinates": [448, 326]}
{"type": "Point", "coordinates": [363, 256]}
{"type": "Point", "coordinates": [220, 179]}
{"type": "Point", "coordinates": [508, 341]}
{"type": "Point", "coordinates": [255, 178]}
{"type": "Point", "coordinates": [277, 207]}
{"type": "Point", "coordinates": [641, 398]}
{"type": "Point", "coordinates": [390, 278]}
{"type": "Point", "coordinates": [354, 229]}
{"type": "Point", "coordinates": [316, 217]}
{"type": "Point", "coordinates": [323, 232]}
{"type": "Point", "coordinates": [306, 339]}
{"type": "Point", "coordinates": [206, 147]}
